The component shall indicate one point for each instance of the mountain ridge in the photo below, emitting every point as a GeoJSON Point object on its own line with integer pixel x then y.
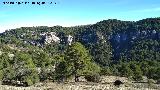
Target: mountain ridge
{"type": "Point", "coordinates": [121, 48]}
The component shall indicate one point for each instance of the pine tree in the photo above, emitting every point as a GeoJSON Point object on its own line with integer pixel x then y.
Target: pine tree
{"type": "Point", "coordinates": [79, 61]}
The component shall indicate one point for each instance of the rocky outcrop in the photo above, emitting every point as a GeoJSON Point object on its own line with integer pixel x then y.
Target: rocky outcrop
{"type": "Point", "coordinates": [51, 37]}
{"type": "Point", "coordinates": [69, 39]}
{"type": "Point", "coordinates": [10, 55]}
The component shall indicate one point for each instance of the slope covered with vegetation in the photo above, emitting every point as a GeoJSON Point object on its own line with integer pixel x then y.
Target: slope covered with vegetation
{"type": "Point", "coordinates": [109, 47]}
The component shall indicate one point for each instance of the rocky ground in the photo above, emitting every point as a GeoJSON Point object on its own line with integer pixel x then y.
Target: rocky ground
{"type": "Point", "coordinates": [106, 83]}
{"type": "Point", "coordinates": [82, 86]}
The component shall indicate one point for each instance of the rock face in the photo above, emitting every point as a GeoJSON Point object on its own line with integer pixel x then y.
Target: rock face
{"type": "Point", "coordinates": [51, 37]}
{"type": "Point", "coordinates": [121, 41]}
{"type": "Point", "coordinates": [69, 39]}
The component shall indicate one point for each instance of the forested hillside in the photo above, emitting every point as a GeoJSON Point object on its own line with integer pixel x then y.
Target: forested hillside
{"type": "Point", "coordinates": [109, 47]}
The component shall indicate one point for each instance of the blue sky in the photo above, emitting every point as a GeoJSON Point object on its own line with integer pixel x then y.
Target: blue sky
{"type": "Point", "coordinates": [74, 12]}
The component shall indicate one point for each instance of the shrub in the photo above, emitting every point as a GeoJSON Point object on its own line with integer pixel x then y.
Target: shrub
{"type": "Point", "coordinates": [105, 71]}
